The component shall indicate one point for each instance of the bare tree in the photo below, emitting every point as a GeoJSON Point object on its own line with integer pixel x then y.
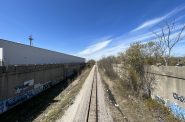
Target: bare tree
{"type": "Point", "coordinates": [168, 36]}
{"type": "Point", "coordinates": [160, 50]}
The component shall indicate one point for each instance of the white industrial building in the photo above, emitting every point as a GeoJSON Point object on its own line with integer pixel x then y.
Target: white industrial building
{"type": "Point", "coordinates": [12, 53]}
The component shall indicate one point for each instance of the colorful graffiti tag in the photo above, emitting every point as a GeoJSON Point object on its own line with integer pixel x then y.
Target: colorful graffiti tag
{"type": "Point", "coordinates": [160, 100]}
{"type": "Point", "coordinates": [177, 97]}
{"type": "Point", "coordinates": [24, 87]}
{"type": "Point", "coordinates": [11, 102]}
{"type": "Point", "coordinates": [177, 111]}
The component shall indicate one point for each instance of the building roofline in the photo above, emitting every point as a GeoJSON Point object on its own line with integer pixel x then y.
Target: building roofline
{"type": "Point", "coordinates": [38, 48]}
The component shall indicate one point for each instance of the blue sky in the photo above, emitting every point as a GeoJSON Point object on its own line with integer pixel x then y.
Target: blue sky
{"type": "Point", "coordinates": [87, 28]}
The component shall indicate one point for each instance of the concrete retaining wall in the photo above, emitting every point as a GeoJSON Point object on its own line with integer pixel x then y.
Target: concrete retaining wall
{"type": "Point", "coordinates": [169, 88]}
{"type": "Point", "coordinates": [20, 83]}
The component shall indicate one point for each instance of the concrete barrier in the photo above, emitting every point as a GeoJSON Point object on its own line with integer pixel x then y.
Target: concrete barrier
{"type": "Point", "coordinates": [169, 87]}
{"type": "Point", "coordinates": [20, 83]}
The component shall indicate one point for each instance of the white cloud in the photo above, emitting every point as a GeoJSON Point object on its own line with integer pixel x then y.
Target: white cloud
{"type": "Point", "coordinates": [124, 43]}
{"type": "Point", "coordinates": [94, 48]}
{"type": "Point", "coordinates": [149, 23]}
{"type": "Point", "coordinates": [119, 44]}
{"type": "Point", "coordinates": [159, 19]}
{"type": "Point", "coordinates": [108, 51]}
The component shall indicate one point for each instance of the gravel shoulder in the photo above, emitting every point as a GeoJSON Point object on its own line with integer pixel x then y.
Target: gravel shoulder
{"type": "Point", "coordinates": [103, 108]}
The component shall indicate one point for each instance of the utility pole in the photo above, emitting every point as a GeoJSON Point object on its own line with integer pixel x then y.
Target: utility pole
{"type": "Point", "coordinates": [30, 38]}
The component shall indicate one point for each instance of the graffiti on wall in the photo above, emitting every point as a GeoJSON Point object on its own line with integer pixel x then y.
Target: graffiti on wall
{"type": "Point", "coordinates": [25, 95]}
{"type": "Point", "coordinates": [178, 97]}
{"type": "Point", "coordinates": [20, 98]}
{"type": "Point", "coordinates": [24, 87]}
{"type": "Point", "coordinates": [38, 88]}
{"type": "Point", "coordinates": [47, 85]}
{"type": "Point", "coordinates": [160, 100]}
{"type": "Point", "coordinates": [177, 111]}
{"type": "Point", "coordinates": [29, 88]}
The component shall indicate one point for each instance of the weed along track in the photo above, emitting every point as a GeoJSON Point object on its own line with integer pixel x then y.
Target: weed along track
{"type": "Point", "coordinates": [92, 115]}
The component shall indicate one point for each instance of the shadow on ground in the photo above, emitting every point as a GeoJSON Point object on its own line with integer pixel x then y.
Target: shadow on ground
{"type": "Point", "coordinates": [29, 110]}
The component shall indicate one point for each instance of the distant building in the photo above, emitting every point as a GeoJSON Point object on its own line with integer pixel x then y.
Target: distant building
{"type": "Point", "coordinates": [12, 53]}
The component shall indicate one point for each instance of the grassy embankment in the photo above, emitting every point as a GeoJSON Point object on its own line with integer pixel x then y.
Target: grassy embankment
{"type": "Point", "coordinates": [132, 107]}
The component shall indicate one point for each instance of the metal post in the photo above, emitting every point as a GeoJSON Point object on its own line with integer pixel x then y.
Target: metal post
{"type": "Point", "coordinates": [30, 38]}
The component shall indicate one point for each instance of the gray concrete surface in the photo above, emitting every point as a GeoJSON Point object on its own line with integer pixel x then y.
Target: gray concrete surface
{"type": "Point", "coordinates": [19, 83]}
{"type": "Point", "coordinates": [169, 83]}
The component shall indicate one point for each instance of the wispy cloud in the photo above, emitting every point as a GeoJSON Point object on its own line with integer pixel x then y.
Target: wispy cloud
{"type": "Point", "coordinates": [90, 50]}
{"type": "Point", "coordinates": [112, 46]}
{"type": "Point", "coordinates": [114, 50]}
{"type": "Point", "coordinates": [149, 23]}
{"type": "Point", "coordinates": [118, 44]}
{"type": "Point", "coordinates": [121, 43]}
{"type": "Point", "coordinates": [159, 19]}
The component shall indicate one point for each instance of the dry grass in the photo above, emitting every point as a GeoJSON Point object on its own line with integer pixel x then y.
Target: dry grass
{"type": "Point", "coordinates": [159, 110]}
{"type": "Point", "coordinates": [134, 108]}
{"type": "Point", "coordinates": [64, 100]}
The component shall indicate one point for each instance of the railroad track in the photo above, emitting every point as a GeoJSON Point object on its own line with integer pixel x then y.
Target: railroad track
{"type": "Point", "coordinates": [89, 105]}
{"type": "Point", "coordinates": [92, 114]}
